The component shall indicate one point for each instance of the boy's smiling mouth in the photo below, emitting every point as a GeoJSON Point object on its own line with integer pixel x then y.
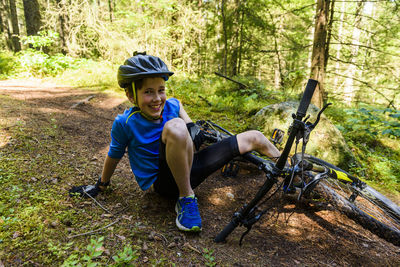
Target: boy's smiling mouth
{"type": "Point", "coordinates": [156, 107]}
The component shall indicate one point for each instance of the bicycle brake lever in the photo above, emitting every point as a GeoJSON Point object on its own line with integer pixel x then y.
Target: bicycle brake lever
{"type": "Point", "coordinates": [312, 126]}
{"type": "Point", "coordinates": [306, 118]}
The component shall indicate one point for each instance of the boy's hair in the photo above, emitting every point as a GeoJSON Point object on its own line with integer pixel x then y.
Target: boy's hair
{"type": "Point", "coordinates": [138, 84]}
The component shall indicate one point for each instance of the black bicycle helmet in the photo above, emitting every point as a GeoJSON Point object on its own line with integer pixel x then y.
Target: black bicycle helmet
{"type": "Point", "coordinates": [141, 66]}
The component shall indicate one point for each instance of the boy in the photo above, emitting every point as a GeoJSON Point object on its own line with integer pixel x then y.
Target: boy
{"type": "Point", "coordinates": [162, 142]}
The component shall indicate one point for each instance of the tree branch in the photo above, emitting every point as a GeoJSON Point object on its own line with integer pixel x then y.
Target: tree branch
{"type": "Point", "coordinates": [368, 47]}
{"type": "Point", "coordinates": [95, 231]}
{"type": "Point", "coordinates": [369, 86]}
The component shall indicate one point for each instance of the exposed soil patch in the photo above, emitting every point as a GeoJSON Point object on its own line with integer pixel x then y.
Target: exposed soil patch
{"type": "Point", "coordinates": [291, 233]}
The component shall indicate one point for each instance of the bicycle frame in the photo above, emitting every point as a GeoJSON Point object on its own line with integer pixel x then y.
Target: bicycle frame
{"type": "Point", "coordinates": [246, 215]}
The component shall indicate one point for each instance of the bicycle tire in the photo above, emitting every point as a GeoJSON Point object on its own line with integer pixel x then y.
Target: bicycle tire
{"type": "Point", "coordinates": [370, 209]}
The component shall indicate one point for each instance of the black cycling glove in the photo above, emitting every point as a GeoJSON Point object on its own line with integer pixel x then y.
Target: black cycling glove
{"type": "Point", "coordinates": [196, 134]}
{"type": "Point", "coordinates": [85, 190]}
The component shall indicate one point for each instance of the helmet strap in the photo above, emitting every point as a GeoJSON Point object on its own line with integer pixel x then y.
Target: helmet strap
{"type": "Point", "coordinates": [150, 118]}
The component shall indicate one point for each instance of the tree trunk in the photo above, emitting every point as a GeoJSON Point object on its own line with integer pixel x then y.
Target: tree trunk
{"type": "Point", "coordinates": [63, 26]}
{"type": "Point", "coordinates": [15, 26]}
{"type": "Point", "coordinates": [1, 23]}
{"type": "Point", "coordinates": [32, 16]}
{"type": "Point", "coordinates": [236, 23]}
{"type": "Point", "coordinates": [349, 90]}
{"type": "Point", "coordinates": [110, 10]}
{"type": "Point", "coordinates": [339, 47]}
{"type": "Point", "coordinates": [6, 23]}
{"type": "Point", "coordinates": [278, 68]}
{"type": "Point", "coordinates": [225, 56]}
{"type": "Point", "coordinates": [240, 41]}
{"type": "Point", "coordinates": [319, 50]}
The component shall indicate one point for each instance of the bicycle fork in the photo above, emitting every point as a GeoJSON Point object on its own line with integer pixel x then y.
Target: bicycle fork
{"type": "Point", "coordinates": [246, 215]}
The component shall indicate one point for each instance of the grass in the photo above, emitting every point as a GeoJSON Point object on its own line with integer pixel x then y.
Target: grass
{"type": "Point", "coordinates": [33, 204]}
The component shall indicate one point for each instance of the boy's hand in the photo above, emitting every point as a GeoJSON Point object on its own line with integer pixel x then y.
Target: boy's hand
{"type": "Point", "coordinates": [85, 190]}
{"type": "Point", "coordinates": [196, 134]}
{"type": "Point", "coordinates": [91, 190]}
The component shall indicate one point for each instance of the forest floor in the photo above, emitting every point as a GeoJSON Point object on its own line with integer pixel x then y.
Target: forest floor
{"type": "Point", "coordinates": [54, 137]}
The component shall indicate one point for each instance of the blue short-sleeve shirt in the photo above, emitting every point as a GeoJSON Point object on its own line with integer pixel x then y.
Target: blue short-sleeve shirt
{"type": "Point", "coordinates": [142, 137]}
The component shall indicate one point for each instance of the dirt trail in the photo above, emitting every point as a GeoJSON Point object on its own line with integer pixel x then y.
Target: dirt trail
{"type": "Point", "coordinates": [291, 234]}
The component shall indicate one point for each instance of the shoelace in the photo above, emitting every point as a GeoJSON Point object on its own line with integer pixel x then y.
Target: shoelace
{"type": "Point", "coordinates": [190, 206]}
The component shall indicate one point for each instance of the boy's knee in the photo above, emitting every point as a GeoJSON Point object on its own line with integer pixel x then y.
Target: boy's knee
{"type": "Point", "coordinates": [175, 129]}
{"type": "Point", "coordinates": [255, 137]}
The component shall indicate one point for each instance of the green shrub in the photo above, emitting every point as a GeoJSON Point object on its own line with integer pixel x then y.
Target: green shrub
{"type": "Point", "coordinates": [373, 121]}
{"type": "Point", "coordinates": [39, 64]}
{"type": "Point", "coordinates": [8, 64]}
{"type": "Point", "coordinates": [43, 40]}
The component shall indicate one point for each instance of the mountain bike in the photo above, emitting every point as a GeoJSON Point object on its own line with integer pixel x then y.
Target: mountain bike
{"type": "Point", "coordinates": [309, 177]}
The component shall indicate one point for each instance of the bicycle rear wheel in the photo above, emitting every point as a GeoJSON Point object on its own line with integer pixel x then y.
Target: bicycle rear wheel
{"type": "Point", "coordinates": [359, 202]}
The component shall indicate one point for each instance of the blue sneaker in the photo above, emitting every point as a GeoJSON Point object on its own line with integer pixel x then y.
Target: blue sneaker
{"type": "Point", "coordinates": [188, 215]}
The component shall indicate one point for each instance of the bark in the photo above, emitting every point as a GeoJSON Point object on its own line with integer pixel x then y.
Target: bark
{"type": "Point", "coordinates": [110, 10]}
{"type": "Point", "coordinates": [1, 23]}
{"type": "Point", "coordinates": [349, 90]}
{"type": "Point", "coordinates": [225, 37]}
{"type": "Point", "coordinates": [339, 46]}
{"type": "Point", "coordinates": [241, 40]}
{"type": "Point", "coordinates": [63, 26]}
{"type": "Point", "coordinates": [15, 26]}
{"type": "Point", "coordinates": [32, 16]}
{"type": "Point", "coordinates": [6, 23]}
{"type": "Point", "coordinates": [236, 39]}
{"type": "Point", "coordinates": [319, 50]}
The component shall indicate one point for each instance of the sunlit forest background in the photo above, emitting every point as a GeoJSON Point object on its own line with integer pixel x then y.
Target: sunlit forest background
{"type": "Point", "coordinates": [271, 41]}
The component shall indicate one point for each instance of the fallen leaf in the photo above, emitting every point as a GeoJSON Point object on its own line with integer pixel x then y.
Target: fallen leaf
{"type": "Point", "coordinates": [16, 234]}
{"type": "Point", "coordinates": [120, 237]}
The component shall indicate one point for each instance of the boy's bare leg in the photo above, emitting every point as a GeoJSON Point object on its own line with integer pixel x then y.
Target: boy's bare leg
{"type": "Point", "coordinates": [256, 141]}
{"type": "Point", "coordinates": [179, 154]}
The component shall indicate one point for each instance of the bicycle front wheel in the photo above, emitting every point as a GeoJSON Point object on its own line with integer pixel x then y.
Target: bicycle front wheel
{"type": "Point", "coordinates": [358, 201]}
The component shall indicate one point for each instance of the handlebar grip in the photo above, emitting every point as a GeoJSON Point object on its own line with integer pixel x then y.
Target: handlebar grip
{"type": "Point", "coordinates": [306, 99]}
{"type": "Point", "coordinates": [226, 231]}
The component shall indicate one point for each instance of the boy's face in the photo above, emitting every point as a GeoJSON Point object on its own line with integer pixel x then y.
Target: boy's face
{"type": "Point", "coordinates": [151, 97]}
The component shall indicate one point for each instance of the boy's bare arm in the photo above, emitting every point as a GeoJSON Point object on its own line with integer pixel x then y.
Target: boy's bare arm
{"type": "Point", "coordinates": [183, 115]}
{"type": "Point", "coordinates": [108, 169]}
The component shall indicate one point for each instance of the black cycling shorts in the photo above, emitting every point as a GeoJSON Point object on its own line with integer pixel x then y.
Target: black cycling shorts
{"type": "Point", "coordinates": [205, 162]}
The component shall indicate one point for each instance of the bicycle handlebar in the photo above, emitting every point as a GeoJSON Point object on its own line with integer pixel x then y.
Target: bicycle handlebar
{"type": "Point", "coordinates": [306, 99]}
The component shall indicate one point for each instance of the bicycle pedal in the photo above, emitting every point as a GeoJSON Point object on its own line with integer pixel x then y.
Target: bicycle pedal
{"type": "Point", "coordinates": [277, 136]}
{"type": "Point", "coordinates": [230, 169]}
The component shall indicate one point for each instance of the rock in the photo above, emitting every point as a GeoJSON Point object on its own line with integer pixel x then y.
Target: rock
{"type": "Point", "coordinates": [230, 195]}
{"type": "Point", "coordinates": [326, 141]}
